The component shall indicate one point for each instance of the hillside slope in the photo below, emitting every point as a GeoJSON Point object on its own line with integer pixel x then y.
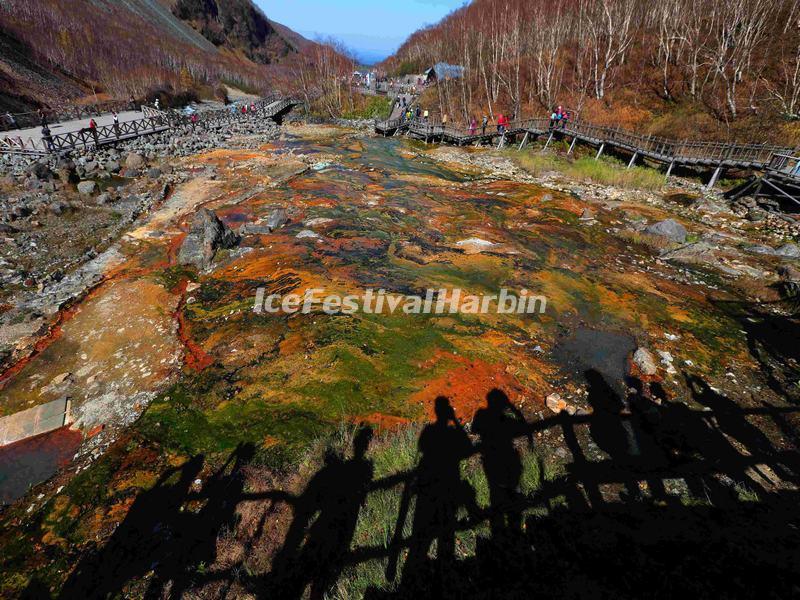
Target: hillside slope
{"type": "Point", "coordinates": [51, 51]}
{"type": "Point", "coordinates": [687, 68]}
{"type": "Point", "coordinates": [238, 25]}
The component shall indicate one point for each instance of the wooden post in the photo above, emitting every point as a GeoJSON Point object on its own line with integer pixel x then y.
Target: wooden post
{"type": "Point", "coordinates": [714, 178]}
{"type": "Point", "coordinates": [600, 150]}
{"type": "Point", "coordinates": [548, 141]}
{"type": "Point", "coordinates": [572, 145]}
{"type": "Point", "coordinates": [524, 140]}
{"type": "Point", "coordinates": [633, 159]}
{"type": "Point", "coordinates": [669, 168]}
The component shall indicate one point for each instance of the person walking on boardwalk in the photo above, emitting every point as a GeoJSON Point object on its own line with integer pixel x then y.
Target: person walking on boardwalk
{"type": "Point", "coordinates": [12, 123]}
{"type": "Point", "coordinates": [42, 118]}
{"type": "Point", "coordinates": [473, 125]}
{"type": "Point", "coordinates": [444, 120]}
{"type": "Point", "coordinates": [501, 124]}
{"type": "Point", "coordinates": [484, 124]}
{"type": "Point", "coordinates": [419, 111]}
{"type": "Point", "coordinates": [47, 138]}
{"type": "Point", "coordinates": [425, 115]}
{"type": "Point", "coordinates": [93, 131]}
{"type": "Point", "coordinates": [116, 123]}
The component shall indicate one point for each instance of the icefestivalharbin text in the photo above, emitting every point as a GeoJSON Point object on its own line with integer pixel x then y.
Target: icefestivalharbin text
{"type": "Point", "coordinates": [434, 301]}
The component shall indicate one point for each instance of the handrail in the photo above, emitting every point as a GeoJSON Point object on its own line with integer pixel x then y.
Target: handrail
{"type": "Point", "coordinates": [656, 147]}
{"type": "Point", "coordinates": [153, 121]}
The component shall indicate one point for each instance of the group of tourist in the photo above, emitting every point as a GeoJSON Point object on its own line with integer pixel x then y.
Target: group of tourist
{"type": "Point", "coordinates": [559, 118]}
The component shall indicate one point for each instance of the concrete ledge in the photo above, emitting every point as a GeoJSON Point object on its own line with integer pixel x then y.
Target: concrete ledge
{"type": "Point", "coordinates": [33, 421]}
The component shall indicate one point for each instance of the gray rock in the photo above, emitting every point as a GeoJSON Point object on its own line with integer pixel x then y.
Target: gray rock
{"type": "Point", "coordinates": [113, 166]}
{"type": "Point", "coordinates": [645, 362]}
{"type": "Point", "coordinates": [87, 188]}
{"type": "Point", "coordinates": [277, 218]}
{"type": "Point", "coordinates": [587, 215]}
{"type": "Point", "coordinates": [756, 214]}
{"type": "Point", "coordinates": [154, 173]}
{"type": "Point", "coordinates": [669, 229]}
{"type": "Point", "coordinates": [788, 251]}
{"type": "Point", "coordinates": [6, 228]}
{"type": "Point", "coordinates": [206, 236]}
{"type": "Point", "coordinates": [104, 198]}
{"type": "Point", "coordinates": [40, 170]}
{"type": "Point", "coordinates": [134, 161]}
{"type": "Point", "coordinates": [58, 208]}
{"type": "Point", "coordinates": [760, 250]}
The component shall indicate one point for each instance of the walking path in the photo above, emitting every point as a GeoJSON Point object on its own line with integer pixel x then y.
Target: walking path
{"type": "Point", "coordinates": [716, 155]}
{"type": "Point", "coordinates": [76, 134]}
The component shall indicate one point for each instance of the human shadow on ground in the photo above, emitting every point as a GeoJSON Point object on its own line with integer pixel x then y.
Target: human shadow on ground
{"type": "Point", "coordinates": [322, 528]}
{"type": "Point", "coordinates": [655, 498]}
{"type": "Point", "coordinates": [153, 531]}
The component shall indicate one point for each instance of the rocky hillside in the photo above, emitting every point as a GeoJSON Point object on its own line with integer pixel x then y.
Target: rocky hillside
{"type": "Point", "coordinates": [239, 25]}
{"type": "Point", "coordinates": [53, 51]}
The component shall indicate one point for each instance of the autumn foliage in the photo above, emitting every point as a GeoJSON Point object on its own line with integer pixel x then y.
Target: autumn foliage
{"type": "Point", "coordinates": [688, 67]}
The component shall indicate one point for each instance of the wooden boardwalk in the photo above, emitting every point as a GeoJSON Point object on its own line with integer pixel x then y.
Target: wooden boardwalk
{"type": "Point", "coordinates": [672, 153]}
{"type": "Point", "coordinates": [781, 179]}
{"type": "Point", "coordinates": [153, 121]}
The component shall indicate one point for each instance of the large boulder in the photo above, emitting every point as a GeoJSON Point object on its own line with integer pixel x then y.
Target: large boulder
{"type": "Point", "coordinates": [206, 236]}
{"type": "Point", "coordinates": [788, 251]}
{"type": "Point", "coordinates": [134, 161]}
{"type": "Point", "coordinates": [87, 188]}
{"type": "Point", "coordinates": [277, 218]}
{"type": "Point", "coordinates": [669, 229]}
{"type": "Point", "coordinates": [40, 170]}
{"type": "Point", "coordinates": [645, 362]}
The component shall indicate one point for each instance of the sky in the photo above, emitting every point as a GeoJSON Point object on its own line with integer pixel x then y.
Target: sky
{"type": "Point", "coordinates": [373, 29]}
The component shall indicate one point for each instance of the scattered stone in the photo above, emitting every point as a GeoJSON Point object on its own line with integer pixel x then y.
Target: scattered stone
{"type": "Point", "coordinates": [317, 222]}
{"type": "Point", "coordinates": [760, 250]}
{"type": "Point", "coordinates": [555, 403]}
{"type": "Point", "coordinates": [277, 218]}
{"type": "Point", "coordinates": [645, 362]}
{"type": "Point", "coordinates": [669, 229]}
{"type": "Point", "coordinates": [307, 233]}
{"type": "Point", "coordinates": [206, 236]}
{"type": "Point", "coordinates": [756, 214]}
{"type": "Point", "coordinates": [134, 161]}
{"type": "Point", "coordinates": [587, 215]}
{"type": "Point", "coordinates": [788, 251]}
{"type": "Point", "coordinates": [154, 173]}
{"type": "Point", "coordinates": [87, 188]}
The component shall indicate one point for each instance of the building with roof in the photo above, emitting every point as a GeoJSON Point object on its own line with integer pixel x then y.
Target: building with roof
{"type": "Point", "coordinates": [442, 72]}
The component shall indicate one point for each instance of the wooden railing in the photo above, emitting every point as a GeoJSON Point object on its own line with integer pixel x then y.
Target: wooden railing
{"type": "Point", "coordinates": [153, 121]}
{"type": "Point", "coordinates": [785, 164]}
{"type": "Point", "coordinates": [656, 147]}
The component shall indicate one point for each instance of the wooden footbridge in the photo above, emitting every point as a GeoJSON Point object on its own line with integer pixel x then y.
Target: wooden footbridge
{"type": "Point", "coordinates": [152, 121]}
{"type": "Point", "coordinates": [672, 153]}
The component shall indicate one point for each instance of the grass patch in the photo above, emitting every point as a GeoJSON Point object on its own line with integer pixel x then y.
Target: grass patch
{"type": "Point", "coordinates": [372, 107]}
{"type": "Point", "coordinates": [605, 171]}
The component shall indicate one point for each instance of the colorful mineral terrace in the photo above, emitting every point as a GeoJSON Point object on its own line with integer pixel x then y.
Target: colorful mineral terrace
{"type": "Point", "coordinates": [640, 423]}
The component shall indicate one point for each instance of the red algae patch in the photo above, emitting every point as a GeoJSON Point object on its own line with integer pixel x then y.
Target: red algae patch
{"type": "Point", "coordinates": [466, 385]}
